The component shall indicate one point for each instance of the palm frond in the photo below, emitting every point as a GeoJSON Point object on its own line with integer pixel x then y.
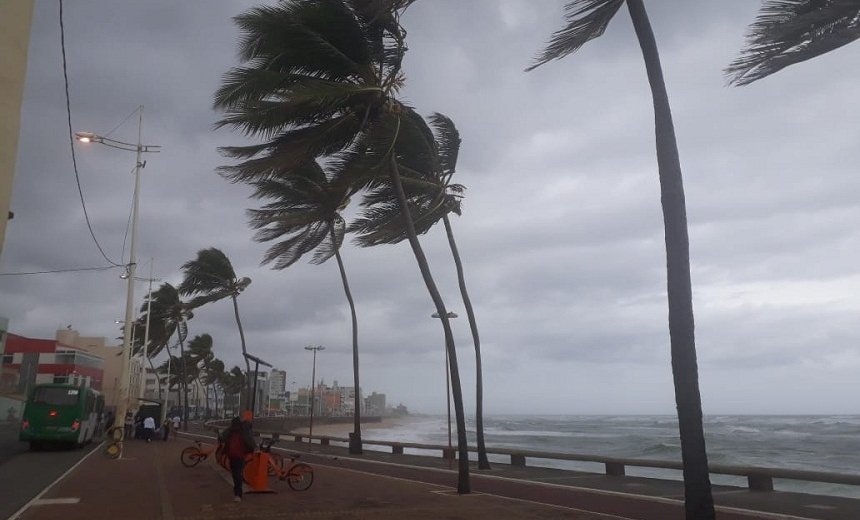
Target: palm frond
{"type": "Point", "coordinates": [586, 20]}
{"type": "Point", "coordinates": [787, 32]}
{"type": "Point", "coordinates": [447, 141]}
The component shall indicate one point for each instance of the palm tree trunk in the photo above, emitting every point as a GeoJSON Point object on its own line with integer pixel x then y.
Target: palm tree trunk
{"type": "Point", "coordinates": [183, 384]}
{"type": "Point", "coordinates": [463, 485]}
{"type": "Point", "coordinates": [355, 439]}
{"type": "Point", "coordinates": [483, 461]}
{"type": "Point", "coordinates": [158, 385]}
{"type": "Point", "coordinates": [244, 352]}
{"type": "Point", "coordinates": [699, 503]}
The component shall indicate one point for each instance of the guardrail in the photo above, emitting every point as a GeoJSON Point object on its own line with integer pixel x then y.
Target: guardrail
{"type": "Point", "coordinates": [758, 478]}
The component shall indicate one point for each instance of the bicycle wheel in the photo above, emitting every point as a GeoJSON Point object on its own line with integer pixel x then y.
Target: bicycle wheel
{"type": "Point", "coordinates": [277, 461]}
{"type": "Point", "coordinates": [190, 457]}
{"type": "Point", "coordinates": [300, 477]}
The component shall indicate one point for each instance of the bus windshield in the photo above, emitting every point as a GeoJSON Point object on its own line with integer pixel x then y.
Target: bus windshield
{"type": "Point", "coordinates": [55, 396]}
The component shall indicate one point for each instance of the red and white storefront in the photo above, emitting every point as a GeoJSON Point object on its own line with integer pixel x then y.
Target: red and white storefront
{"type": "Point", "coordinates": [39, 361]}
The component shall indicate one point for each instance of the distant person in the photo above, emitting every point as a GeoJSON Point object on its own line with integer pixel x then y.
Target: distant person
{"type": "Point", "coordinates": [176, 422]}
{"type": "Point", "coordinates": [238, 442]}
{"type": "Point", "coordinates": [148, 428]}
{"type": "Point", "coordinates": [129, 425]}
{"type": "Point", "coordinates": [166, 427]}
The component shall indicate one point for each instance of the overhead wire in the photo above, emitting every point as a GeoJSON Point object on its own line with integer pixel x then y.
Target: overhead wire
{"type": "Point", "coordinates": [72, 141]}
{"type": "Point", "coordinates": [72, 270]}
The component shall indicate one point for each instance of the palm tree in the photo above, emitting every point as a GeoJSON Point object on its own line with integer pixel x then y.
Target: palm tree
{"type": "Point", "coordinates": [170, 316]}
{"type": "Point", "coordinates": [304, 216]}
{"type": "Point", "coordinates": [787, 32]}
{"type": "Point", "coordinates": [233, 382]}
{"type": "Point", "coordinates": [201, 355]}
{"type": "Point", "coordinates": [587, 19]}
{"type": "Point", "coordinates": [213, 377]}
{"type": "Point", "coordinates": [319, 78]}
{"type": "Point", "coordinates": [210, 277]}
{"type": "Point", "coordinates": [429, 202]}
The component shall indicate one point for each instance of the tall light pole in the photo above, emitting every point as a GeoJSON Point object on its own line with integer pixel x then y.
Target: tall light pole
{"type": "Point", "coordinates": [451, 315]}
{"type": "Point", "coordinates": [313, 379]}
{"type": "Point", "coordinates": [146, 329]}
{"type": "Point", "coordinates": [87, 137]}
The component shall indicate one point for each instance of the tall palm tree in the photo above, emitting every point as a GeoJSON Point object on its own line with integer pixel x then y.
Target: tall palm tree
{"type": "Point", "coordinates": [201, 355]}
{"type": "Point", "coordinates": [787, 32]}
{"type": "Point", "coordinates": [587, 19]}
{"type": "Point", "coordinates": [233, 382]}
{"type": "Point", "coordinates": [210, 277]}
{"type": "Point", "coordinates": [304, 215]}
{"type": "Point", "coordinates": [170, 316]}
{"type": "Point", "coordinates": [319, 78]}
{"type": "Point", "coordinates": [431, 197]}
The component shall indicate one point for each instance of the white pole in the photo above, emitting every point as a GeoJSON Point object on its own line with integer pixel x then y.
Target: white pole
{"type": "Point", "coordinates": [146, 330]}
{"type": "Point", "coordinates": [129, 301]}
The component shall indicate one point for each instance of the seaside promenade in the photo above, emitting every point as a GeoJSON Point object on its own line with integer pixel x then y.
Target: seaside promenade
{"type": "Point", "coordinates": [150, 483]}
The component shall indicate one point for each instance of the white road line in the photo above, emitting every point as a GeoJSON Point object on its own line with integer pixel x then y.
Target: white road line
{"type": "Point", "coordinates": [26, 506]}
{"type": "Point", "coordinates": [55, 501]}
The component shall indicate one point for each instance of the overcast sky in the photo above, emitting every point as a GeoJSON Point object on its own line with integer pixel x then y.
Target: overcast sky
{"type": "Point", "coordinates": [561, 234]}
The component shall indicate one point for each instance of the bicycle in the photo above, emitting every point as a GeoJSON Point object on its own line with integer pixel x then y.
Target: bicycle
{"type": "Point", "coordinates": [298, 475]}
{"type": "Point", "coordinates": [194, 455]}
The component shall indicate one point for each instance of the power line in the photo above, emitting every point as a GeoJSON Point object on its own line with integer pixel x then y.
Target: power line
{"type": "Point", "coordinates": [133, 112]}
{"type": "Point", "coordinates": [72, 141]}
{"type": "Point", "coordinates": [73, 270]}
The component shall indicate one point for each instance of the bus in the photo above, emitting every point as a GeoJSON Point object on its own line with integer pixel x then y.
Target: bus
{"type": "Point", "coordinates": [57, 413]}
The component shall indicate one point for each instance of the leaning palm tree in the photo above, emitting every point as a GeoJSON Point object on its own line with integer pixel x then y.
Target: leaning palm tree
{"type": "Point", "coordinates": [304, 216]}
{"type": "Point", "coordinates": [170, 316]}
{"type": "Point", "coordinates": [319, 78]}
{"type": "Point", "coordinates": [200, 354]}
{"type": "Point", "coordinates": [787, 32]}
{"type": "Point", "coordinates": [586, 20]}
{"type": "Point", "coordinates": [431, 197]}
{"type": "Point", "coordinates": [210, 277]}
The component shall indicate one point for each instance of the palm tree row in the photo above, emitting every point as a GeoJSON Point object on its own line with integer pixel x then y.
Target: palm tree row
{"type": "Point", "coordinates": [318, 86]}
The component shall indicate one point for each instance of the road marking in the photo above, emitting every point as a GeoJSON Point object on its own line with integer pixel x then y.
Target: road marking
{"type": "Point", "coordinates": [55, 501]}
{"type": "Point", "coordinates": [26, 506]}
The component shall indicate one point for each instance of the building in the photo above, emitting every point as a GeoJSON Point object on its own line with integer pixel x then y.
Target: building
{"type": "Point", "coordinates": [277, 390]}
{"type": "Point", "coordinates": [15, 20]}
{"type": "Point", "coordinates": [111, 354]}
{"type": "Point", "coordinates": [39, 361]}
{"type": "Point", "coordinates": [374, 404]}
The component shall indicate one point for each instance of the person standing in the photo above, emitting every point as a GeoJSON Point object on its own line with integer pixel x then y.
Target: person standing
{"type": "Point", "coordinates": [166, 427]}
{"type": "Point", "coordinates": [175, 425]}
{"type": "Point", "coordinates": [238, 442]}
{"type": "Point", "coordinates": [148, 428]}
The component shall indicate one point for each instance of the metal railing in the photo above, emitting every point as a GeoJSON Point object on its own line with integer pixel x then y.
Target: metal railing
{"type": "Point", "coordinates": [758, 478]}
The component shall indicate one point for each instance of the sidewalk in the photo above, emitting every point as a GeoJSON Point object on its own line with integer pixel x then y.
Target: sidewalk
{"type": "Point", "coordinates": [150, 483]}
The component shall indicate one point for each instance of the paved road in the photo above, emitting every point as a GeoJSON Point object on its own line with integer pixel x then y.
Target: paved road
{"type": "Point", "coordinates": [28, 473]}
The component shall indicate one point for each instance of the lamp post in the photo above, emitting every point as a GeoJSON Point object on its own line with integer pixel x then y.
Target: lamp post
{"type": "Point", "coordinates": [146, 329]}
{"type": "Point", "coordinates": [313, 378]}
{"type": "Point", "coordinates": [87, 137]}
{"type": "Point", "coordinates": [451, 315]}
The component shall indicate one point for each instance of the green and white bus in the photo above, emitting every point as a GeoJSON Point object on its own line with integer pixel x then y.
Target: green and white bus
{"type": "Point", "coordinates": [57, 413]}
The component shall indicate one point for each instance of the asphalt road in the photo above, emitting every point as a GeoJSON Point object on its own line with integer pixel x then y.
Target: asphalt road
{"type": "Point", "coordinates": [24, 474]}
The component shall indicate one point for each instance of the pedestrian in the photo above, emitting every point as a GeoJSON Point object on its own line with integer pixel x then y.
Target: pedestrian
{"type": "Point", "coordinates": [148, 428]}
{"type": "Point", "coordinates": [129, 425]}
{"type": "Point", "coordinates": [238, 442]}
{"type": "Point", "coordinates": [175, 425]}
{"type": "Point", "coordinates": [166, 427]}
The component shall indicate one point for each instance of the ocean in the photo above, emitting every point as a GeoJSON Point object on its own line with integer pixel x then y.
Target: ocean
{"type": "Point", "coordinates": [812, 442]}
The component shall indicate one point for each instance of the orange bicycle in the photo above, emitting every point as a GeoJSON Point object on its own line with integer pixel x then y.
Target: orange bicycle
{"type": "Point", "coordinates": [194, 455]}
{"type": "Point", "coordinates": [298, 475]}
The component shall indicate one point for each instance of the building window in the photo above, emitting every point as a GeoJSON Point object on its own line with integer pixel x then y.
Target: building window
{"type": "Point", "coordinates": [7, 359]}
{"type": "Point", "coordinates": [61, 380]}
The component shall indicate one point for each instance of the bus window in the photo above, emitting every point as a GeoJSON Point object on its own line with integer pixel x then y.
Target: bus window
{"type": "Point", "coordinates": [56, 396]}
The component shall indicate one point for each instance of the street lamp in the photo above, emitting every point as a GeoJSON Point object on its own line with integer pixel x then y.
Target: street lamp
{"type": "Point", "coordinates": [450, 315]}
{"type": "Point", "coordinates": [313, 378]}
{"type": "Point", "coordinates": [139, 149]}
